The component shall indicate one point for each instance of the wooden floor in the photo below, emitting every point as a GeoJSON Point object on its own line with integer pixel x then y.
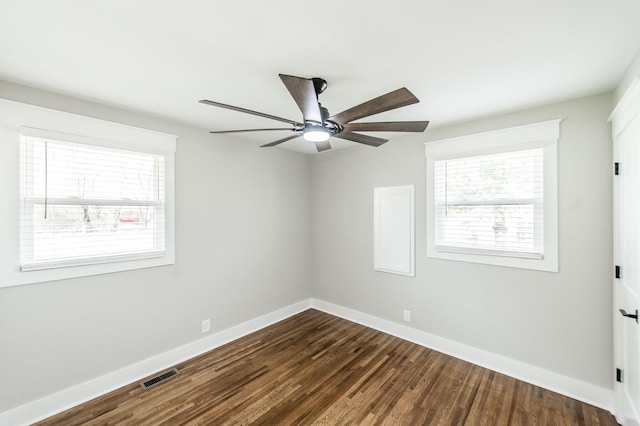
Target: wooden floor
{"type": "Point", "coordinates": [314, 368]}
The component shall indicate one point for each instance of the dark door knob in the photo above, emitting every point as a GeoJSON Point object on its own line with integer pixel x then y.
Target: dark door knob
{"type": "Point", "coordinates": [625, 314]}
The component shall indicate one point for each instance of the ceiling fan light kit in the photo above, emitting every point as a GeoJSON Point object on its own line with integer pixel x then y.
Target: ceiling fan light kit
{"type": "Point", "coordinates": [318, 126]}
{"type": "Point", "coordinates": [313, 133]}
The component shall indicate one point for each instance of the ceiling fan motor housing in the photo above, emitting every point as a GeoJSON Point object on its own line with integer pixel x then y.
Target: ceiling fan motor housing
{"type": "Point", "coordinates": [326, 126]}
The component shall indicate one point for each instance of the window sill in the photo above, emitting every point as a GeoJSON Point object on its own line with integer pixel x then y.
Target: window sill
{"type": "Point", "coordinates": [546, 263]}
{"type": "Point", "coordinates": [37, 266]}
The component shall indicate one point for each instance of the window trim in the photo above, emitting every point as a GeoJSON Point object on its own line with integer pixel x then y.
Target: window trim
{"type": "Point", "coordinates": [28, 201]}
{"type": "Point", "coordinates": [17, 117]}
{"type": "Point", "coordinates": [115, 263]}
{"type": "Point", "coordinates": [544, 134]}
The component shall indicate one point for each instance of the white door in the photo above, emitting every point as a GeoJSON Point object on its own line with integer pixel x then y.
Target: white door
{"type": "Point", "coordinates": [626, 134]}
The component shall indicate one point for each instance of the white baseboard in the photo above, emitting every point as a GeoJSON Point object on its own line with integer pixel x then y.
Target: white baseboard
{"type": "Point", "coordinates": [67, 398]}
{"type": "Point", "coordinates": [573, 388]}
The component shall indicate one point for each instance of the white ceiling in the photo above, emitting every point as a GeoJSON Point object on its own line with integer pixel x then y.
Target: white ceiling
{"type": "Point", "coordinates": [463, 59]}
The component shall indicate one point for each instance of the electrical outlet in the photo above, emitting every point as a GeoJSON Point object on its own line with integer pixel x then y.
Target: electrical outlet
{"type": "Point", "coordinates": [206, 325]}
{"type": "Point", "coordinates": [406, 315]}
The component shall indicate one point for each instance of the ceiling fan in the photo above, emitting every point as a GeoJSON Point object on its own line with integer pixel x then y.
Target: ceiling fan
{"type": "Point", "coordinates": [317, 126]}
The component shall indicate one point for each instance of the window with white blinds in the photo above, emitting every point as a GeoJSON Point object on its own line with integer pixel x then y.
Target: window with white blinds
{"type": "Point", "coordinates": [492, 197]}
{"type": "Point", "coordinates": [491, 204]}
{"type": "Point", "coordinates": [87, 204]}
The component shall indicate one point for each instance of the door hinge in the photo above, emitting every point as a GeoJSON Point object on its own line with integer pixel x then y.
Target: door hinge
{"type": "Point", "coordinates": [617, 271]}
{"type": "Point", "coordinates": [618, 375]}
{"type": "Point", "coordinates": [616, 168]}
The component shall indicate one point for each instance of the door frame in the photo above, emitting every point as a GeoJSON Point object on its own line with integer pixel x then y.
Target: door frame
{"type": "Point", "coordinates": [626, 111]}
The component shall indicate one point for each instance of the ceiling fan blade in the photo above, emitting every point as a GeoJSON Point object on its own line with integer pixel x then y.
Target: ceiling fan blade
{"type": "Point", "coordinates": [250, 130]}
{"type": "Point", "coordinates": [392, 100]}
{"type": "Point", "coordinates": [279, 141]}
{"type": "Point", "coordinates": [357, 137]}
{"type": "Point", "coordinates": [304, 93]}
{"type": "Point", "coordinates": [390, 126]}
{"type": "Point", "coordinates": [323, 146]}
{"type": "Point", "coordinates": [248, 111]}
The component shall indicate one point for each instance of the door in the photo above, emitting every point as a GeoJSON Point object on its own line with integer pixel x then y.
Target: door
{"type": "Point", "coordinates": [626, 129]}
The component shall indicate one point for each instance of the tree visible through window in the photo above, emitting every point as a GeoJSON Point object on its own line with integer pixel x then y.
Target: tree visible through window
{"type": "Point", "coordinates": [87, 203]}
{"type": "Point", "coordinates": [492, 197]}
{"type": "Point", "coordinates": [491, 203]}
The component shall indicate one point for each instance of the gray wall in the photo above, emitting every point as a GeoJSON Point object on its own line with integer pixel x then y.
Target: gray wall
{"type": "Point", "coordinates": [269, 212]}
{"type": "Point", "coordinates": [557, 321]}
{"type": "Point", "coordinates": [242, 250]}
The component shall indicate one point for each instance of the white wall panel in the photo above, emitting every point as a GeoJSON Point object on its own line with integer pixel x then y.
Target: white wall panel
{"type": "Point", "coordinates": [393, 229]}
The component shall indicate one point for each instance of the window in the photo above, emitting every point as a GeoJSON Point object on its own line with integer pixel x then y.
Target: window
{"type": "Point", "coordinates": [490, 204]}
{"type": "Point", "coordinates": [491, 197]}
{"type": "Point", "coordinates": [84, 204]}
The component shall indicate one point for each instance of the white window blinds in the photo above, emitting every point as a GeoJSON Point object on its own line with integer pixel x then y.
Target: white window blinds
{"type": "Point", "coordinates": [84, 204]}
{"type": "Point", "coordinates": [490, 204]}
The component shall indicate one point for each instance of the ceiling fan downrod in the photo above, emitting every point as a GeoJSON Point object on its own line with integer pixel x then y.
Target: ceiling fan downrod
{"type": "Point", "coordinates": [319, 84]}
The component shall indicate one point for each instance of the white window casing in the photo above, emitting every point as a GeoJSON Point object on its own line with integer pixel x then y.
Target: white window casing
{"type": "Point", "coordinates": [492, 197]}
{"type": "Point", "coordinates": [83, 203]}
{"type": "Point", "coordinates": [120, 178]}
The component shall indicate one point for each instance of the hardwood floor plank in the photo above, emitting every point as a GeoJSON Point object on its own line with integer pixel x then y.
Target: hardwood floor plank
{"type": "Point", "coordinates": [317, 369]}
